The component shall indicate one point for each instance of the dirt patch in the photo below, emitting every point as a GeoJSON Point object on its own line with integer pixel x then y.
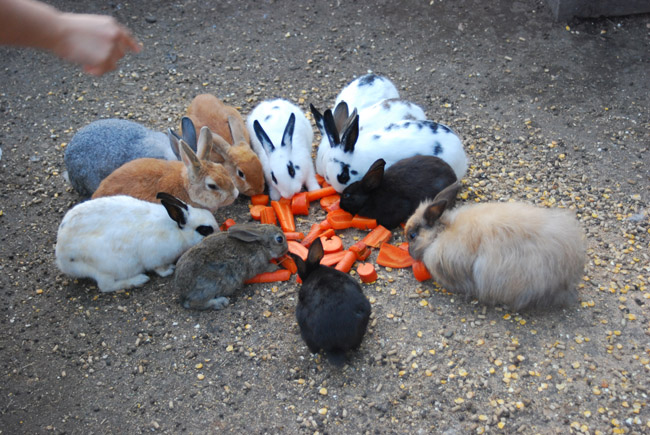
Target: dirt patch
{"type": "Point", "coordinates": [549, 114]}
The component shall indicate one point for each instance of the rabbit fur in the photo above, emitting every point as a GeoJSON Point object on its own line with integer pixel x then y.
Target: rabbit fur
{"type": "Point", "coordinates": [115, 240]}
{"type": "Point", "coordinates": [199, 182]}
{"type": "Point", "coordinates": [219, 266]}
{"type": "Point", "coordinates": [514, 254]}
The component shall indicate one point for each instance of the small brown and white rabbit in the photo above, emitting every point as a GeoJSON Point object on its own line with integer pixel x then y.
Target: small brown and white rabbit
{"type": "Point", "coordinates": [231, 139]}
{"type": "Point", "coordinates": [199, 182]}
{"type": "Point", "coordinates": [219, 266]}
{"type": "Point", "coordinates": [499, 253]}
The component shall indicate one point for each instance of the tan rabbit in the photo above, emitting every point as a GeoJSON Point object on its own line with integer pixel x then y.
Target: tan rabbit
{"type": "Point", "coordinates": [232, 140]}
{"type": "Point", "coordinates": [500, 253]}
{"type": "Point", "coordinates": [199, 182]}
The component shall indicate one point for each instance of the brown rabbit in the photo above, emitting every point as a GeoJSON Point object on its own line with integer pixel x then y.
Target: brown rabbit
{"type": "Point", "coordinates": [193, 180]}
{"type": "Point", "coordinates": [232, 142]}
{"type": "Point", "coordinates": [500, 253]}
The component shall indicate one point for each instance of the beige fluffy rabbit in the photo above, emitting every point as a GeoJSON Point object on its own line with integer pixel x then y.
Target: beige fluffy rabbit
{"type": "Point", "coordinates": [499, 253]}
{"type": "Point", "coordinates": [199, 182]}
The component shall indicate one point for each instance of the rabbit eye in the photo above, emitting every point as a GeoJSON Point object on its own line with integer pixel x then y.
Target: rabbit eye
{"type": "Point", "coordinates": [240, 173]}
{"type": "Point", "coordinates": [212, 186]}
{"type": "Point", "coordinates": [346, 195]}
{"type": "Point", "coordinates": [279, 239]}
{"type": "Point", "coordinates": [204, 230]}
{"type": "Point", "coordinates": [413, 235]}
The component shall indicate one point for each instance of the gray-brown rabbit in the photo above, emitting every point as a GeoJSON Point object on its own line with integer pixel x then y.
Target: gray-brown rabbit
{"type": "Point", "coordinates": [219, 265]}
{"type": "Point", "coordinates": [500, 253]}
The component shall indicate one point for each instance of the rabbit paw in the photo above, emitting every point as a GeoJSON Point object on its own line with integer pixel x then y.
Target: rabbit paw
{"type": "Point", "coordinates": [108, 283]}
{"type": "Point", "coordinates": [217, 303]}
{"type": "Point", "coordinates": [165, 271]}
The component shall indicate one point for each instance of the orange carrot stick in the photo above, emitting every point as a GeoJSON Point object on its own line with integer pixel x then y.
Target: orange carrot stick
{"type": "Point", "coordinates": [283, 211]}
{"type": "Point", "coordinates": [325, 225]}
{"type": "Point", "coordinates": [267, 216]}
{"type": "Point", "coordinates": [339, 219]}
{"type": "Point", "coordinates": [363, 223]}
{"type": "Point", "coordinates": [327, 201]}
{"type": "Point", "coordinates": [227, 224]}
{"type": "Point", "coordinates": [277, 275]}
{"type": "Point", "coordinates": [300, 204]}
{"type": "Point", "coordinates": [367, 272]}
{"type": "Point", "coordinates": [377, 236]}
{"type": "Point", "coordinates": [332, 259]}
{"type": "Point", "coordinates": [298, 249]}
{"type": "Point", "coordinates": [404, 246]}
{"type": "Point", "coordinates": [256, 210]}
{"type": "Point", "coordinates": [260, 199]}
{"type": "Point", "coordinates": [314, 232]}
{"type": "Point", "coordinates": [420, 271]}
{"type": "Point", "coordinates": [346, 262]}
{"type": "Point", "coordinates": [320, 179]}
{"type": "Point", "coordinates": [293, 235]}
{"type": "Point", "coordinates": [392, 256]}
{"type": "Point", "coordinates": [288, 263]}
{"type": "Point", "coordinates": [320, 193]}
{"type": "Point", "coordinates": [361, 250]}
{"type": "Point", "coordinates": [331, 244]}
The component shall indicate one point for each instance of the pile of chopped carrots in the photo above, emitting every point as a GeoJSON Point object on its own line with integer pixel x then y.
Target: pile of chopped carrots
{"type": "Point", "coordinates": [282, 213]}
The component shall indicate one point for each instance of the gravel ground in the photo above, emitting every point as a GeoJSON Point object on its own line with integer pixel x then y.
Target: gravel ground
{"type": "Point", "coordinates": [554, 114]}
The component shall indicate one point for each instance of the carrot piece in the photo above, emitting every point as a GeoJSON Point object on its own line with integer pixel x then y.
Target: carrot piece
{"type": "Point", "coordinates": [288, 263]}
{"type": "Point", "coordinates": [331, 244]}
{"type": "Point", "coordinates": [363, 223]}
{"type": "Point", "coordinates": [420, 271]}
{"type": "Point", "coordinates": [285, 201]}
{"type": "Point", "coordinates": [367, 272]}
{"type": "Point", "coordinates": [293, 235]}
{"type": "Point", "coordinates": [327, 201]}
{"type": "Point", "coordinates": [332, 259]}
{"type": "Point", "coordinates": [404, 246]}
{"type": "Point", "coordinates": [314, 232]}
{"type": "Point", "coordinates": [346, 262]}
{"type": "Point", "coordinates": [267, 216]}
{"type": "Point", "coordinates": [300, 204]}
{"type": "Point", "coordinates": [260, 199]}
{"type": "Point", "coordinates": [339, 219]}
{"type": "Point", "coordinates": [256, 210]}
{"type": "Point", "coordinates": [298, 249]}
{"type": "Point", "coordinates": [227, 224]}
{"type": "Point", "coordinates": [277, 275]}
{"type": "Point", "coordinates": [320, 179]}
{"type": "Point", "coordinates": [361, 250]}
{"type": "Point", "coordinates": [283, 211]}
{"type": "Point", "coordinates": [377, 236]}
{"type": "Point", "coordinates": [392, 256]}
{"type": "Point", "coordinates": [325, 225]}
{"type": "Point", "coordinates": [320, 193]}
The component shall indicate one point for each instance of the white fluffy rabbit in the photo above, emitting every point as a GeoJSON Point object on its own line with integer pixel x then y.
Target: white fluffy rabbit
{"type": "Point", "coordinates": [352, 154]}
{"type": "Point", "coordinates": [365, 91]}
{"type": "Point", "coordinates": [282, 138]}
{"type": "Point", "coordinates": [115, 239]}
{"type": "Point", "coordinates": [500, 253]}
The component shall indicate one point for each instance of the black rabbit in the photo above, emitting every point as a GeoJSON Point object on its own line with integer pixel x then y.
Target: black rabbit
{"type": "Point", "coordinates": [392, 196]}
{"type": "Point", "coordinates": [332, 311]}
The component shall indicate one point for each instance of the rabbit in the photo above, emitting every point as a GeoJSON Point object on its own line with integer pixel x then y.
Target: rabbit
{"type": "Point", "coordinates": [201, 183]}
{"type": "Point", "coordinates": [351, 155]}
{"type": "Point", "coordinates": [371, 118]}
{"type": "Point", "coordinates": [332, 311]}
{"type": "Point", "coordinates": [282, 138]}
{"type": "Point", "coordinates": [114, 240]}
{"type": "Point", "coordinates": [222, 119]}
{"type": "Point", "coordinates": [218, 266]}
{"type": "Point", "coordinates": [102, 146]}
{"type": "Point", "coordinates": [392, 196]}
{"type": "Point", "coordinates": [513, 253]}
{"type": "Point", "coordinates": [367, 90]}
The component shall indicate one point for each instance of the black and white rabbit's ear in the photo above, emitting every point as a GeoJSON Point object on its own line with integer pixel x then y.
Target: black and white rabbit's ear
{"type": "Point", "coordinates": [443, 200]}
{"type": "Point", "coordinates": [341, 115]}
{"type": "Point", "coordinates": [373, 177]}
{"type": "Point", "coordinates": [189, 132]}
{"type": "Point", "coordinates": [263, 137]}
{"type": "Point", "coordinates": [330, 129]}
{"type": "Point", "coordinates": [176, 209]}
{"type": "Point", "coordinates": [350, 133]}
{"type": "Point", "coordinates": [247, 232]}
{"type": "Point", "coordinates": [318, 119]}
{"type": "Point", "coordinates": [287, 136]}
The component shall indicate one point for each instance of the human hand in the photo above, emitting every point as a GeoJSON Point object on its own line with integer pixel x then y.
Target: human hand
{"type": "Point", "coordinates": [96, 42]}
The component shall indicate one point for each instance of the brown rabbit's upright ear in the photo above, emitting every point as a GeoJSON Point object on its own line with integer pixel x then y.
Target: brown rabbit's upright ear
{"type": "Point", "coordinates": [443, 200]}
{"type": "Point", "coordinates": [246, 232]}
{"type": "Point", "coordinates": [236, 130]}
{"type": "Point", "coordinates": [191, 161]}
{"type": "Point", "coordinates": [220, 146]}
{"type": "Point", "coordinates": [340, 115]}
{"type": "Point", "coordinates": [373, 177]}
{"type": "Point", "coordinates": [449, 193]}
{"type": "Point", "coordinates": [204, 143]}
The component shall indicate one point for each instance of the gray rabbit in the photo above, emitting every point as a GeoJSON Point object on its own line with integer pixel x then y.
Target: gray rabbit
{"type": "Point", "coordinates": [219, 265]}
